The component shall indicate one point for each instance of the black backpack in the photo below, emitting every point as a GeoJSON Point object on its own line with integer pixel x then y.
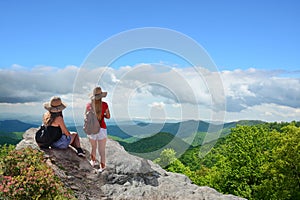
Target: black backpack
{"type": "Point", "coordinates": [43, 137]}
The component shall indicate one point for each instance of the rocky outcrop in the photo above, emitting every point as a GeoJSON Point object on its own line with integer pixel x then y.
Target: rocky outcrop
{"type": "Point", "coordinates": [126, 176]}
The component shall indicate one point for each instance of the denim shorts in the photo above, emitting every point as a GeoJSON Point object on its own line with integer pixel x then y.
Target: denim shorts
{"type": "Point", "coordinates": [62, 143]}
{"type": "Point", "coordinates": [102, 134]}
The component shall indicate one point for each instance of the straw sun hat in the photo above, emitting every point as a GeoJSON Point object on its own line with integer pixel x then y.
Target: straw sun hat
{"type": "Point", "coordinates": [55, 105]}
{"type": "Point", "coordinates": [98, 94]}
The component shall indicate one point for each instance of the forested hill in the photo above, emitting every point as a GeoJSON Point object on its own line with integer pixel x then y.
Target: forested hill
{"type": "Point", "coordinates": [15, 126]}
{"type": "Point", "coordinates": [122, 130]}
{"type": "Point", "coordinates": [255, 162]}
{"type": "Point", "coordinates": [180, 129]}
{"type": "Point", "coordinates": [11, 131]}
{"type": "Point", "coordinates": [152, 146]}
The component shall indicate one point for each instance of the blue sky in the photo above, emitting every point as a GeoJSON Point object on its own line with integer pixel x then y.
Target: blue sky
{"type": "Point", "coordinates": [236, 34]}
{"type": "Point", "coordinates": [254, 44]}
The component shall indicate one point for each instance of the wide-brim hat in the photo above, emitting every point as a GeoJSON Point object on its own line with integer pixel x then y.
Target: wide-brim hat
{"type": "Point", "coordinates": [55, 105]}
{"type": "Point", "coordinates": [98, 94]}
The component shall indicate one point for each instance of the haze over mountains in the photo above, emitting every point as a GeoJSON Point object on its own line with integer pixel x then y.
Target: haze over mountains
{"type": "Point", "coordinates": [140, 129]}
{"type": "Point", "coordinates": [191, 132]}
{"type": "Point", "coordinates": [135, 130]}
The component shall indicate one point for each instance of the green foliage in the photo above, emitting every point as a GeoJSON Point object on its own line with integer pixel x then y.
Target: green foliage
{"type": "Point", "coordinates": [127, 140]}
{"type": "Point", "coordinates": [24, 175]}
{"type": "Point", "coordinates": [255, 162]}
{"type": "Point", "coordinates": [10, 137]}
{"type": "Point", "coordinates": [194, 161]}
{"type": "Point", "coordinates": [260, 161]}
{"type": "Point", "coordinates": [280, 125]}
{"type": "Point", "coordinates": [177, 167]}
{"type": "Point", "coordinates": [167, 156]}
{"type": "Point", "coordinates": [228, 126]}
{"type": "Point", "coordinates": [241, 160]}
{"type": "Point", "coordinates": [151, 147]}
{"type": "Point", "coordinates": [149, 144]}
{"type": "Point", "coordinates": [285, 168]}
{"type": "Point", "coordinates": [197, 138]}
{"type": "Point", "coordinates": [4, 150]}
{"type": "Point", "coordinates": [169, 161]}
{"type": "Point", "coordinates": [191, 159]}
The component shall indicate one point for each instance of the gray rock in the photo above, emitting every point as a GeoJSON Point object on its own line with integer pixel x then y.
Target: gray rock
{"type": "Point", "coordinates": [126, 176]}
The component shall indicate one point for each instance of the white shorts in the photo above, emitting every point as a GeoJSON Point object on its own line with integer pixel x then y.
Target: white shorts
{"type": "Point", "coordinates": [102, 134]}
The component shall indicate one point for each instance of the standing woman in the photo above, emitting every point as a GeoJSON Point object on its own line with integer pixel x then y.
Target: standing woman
{"type": "Point", "coordinates": [98, 141]}
{"type": "Point", "coordinates": [54, 121]}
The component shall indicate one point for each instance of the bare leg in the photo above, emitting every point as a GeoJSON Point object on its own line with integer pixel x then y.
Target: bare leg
{"type": "Point", "coordinates": [75, 142]}
{"type": "Point", "coordinates": [101, 151]}
{"type": "Point", "coordinates": [94, 147]}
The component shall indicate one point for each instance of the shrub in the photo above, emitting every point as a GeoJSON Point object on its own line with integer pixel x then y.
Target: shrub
{"type": "Point", "coordinates": [25, 175]}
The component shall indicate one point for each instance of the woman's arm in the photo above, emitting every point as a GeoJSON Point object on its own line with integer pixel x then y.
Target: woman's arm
{"type": "Point", "coordinates": [107, 113]}
{"type": "Point", "coordinates": [62, 125]}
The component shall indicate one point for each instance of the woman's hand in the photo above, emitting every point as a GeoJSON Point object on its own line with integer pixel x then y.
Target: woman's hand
{"type": "Point", "coordinates": [107, 114]}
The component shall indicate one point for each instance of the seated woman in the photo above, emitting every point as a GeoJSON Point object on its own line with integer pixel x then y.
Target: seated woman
{"type": "Point", "coordinates": [53, 120]}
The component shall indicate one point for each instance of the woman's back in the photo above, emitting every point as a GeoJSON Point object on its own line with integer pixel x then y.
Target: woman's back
{"type": "Point", "coordinates": [55, 131]}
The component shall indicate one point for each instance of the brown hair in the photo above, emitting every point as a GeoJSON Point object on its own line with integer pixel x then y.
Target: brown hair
{"type": "Point", "coordinates": [49, 117]}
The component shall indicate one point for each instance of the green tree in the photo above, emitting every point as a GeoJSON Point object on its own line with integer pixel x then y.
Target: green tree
{"type": "Point", "coordinates": [284, 171]}
{"type": "Point", "coordinates": [169, 162]}
{"type": "Point", "coordinates": [256, 162]}
{"type": "Point", "coordinates": [167, 156]}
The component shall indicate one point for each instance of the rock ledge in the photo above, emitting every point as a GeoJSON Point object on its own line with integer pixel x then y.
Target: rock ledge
{"type": "Point", "coordinates": [126, 176]}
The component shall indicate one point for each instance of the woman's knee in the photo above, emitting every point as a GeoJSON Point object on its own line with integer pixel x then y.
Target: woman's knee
{"type": "Point", "coordinates": [74, 134]}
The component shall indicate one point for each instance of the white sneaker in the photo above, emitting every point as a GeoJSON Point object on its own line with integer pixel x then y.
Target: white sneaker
{"type": "Point", "coordinates": [99, 170]}
{"type": "Point", "coordinates": [93, 163]}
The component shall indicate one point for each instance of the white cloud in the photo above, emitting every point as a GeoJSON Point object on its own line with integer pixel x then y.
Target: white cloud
{"type": "Point", "coordinates": [20, 85]}
{"type": "Point", "coordinates": [157, 105]}
{"type": "Point", "coordinates": [177, 92]}
{"type": "Point", "coordinates": [266, 112]}
{"type": "Point", "coordinates": [255, 87]}
{"type": "Point", "coordinates": [176, 105]}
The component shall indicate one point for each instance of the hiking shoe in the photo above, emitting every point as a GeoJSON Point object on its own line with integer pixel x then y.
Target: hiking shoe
{"type": "Point", "coordinates": [80, 152]}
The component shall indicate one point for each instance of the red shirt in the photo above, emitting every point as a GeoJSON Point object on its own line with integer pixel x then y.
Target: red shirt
{"type": "Point", "coordinates": [104, 108]}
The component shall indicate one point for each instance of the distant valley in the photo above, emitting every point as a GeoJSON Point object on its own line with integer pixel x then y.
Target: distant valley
{"type": "Point", "coordinates": [190, 132]}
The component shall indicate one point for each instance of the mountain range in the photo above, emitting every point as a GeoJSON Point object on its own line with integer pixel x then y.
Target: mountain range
{"type": "Point", "coordinates": [141, 129]}
{"type": "Point", "coordinates": [15, 126]}
{"type": "Point", "coordinates": [189, 132]}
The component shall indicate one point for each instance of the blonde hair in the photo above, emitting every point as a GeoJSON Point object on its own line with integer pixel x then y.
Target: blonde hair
{"type": "Point", "coordinates": [97, 106]}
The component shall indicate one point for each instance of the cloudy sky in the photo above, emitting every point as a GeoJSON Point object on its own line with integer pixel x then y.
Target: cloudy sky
{"type": "Point", "coordinates": [222, 60]}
